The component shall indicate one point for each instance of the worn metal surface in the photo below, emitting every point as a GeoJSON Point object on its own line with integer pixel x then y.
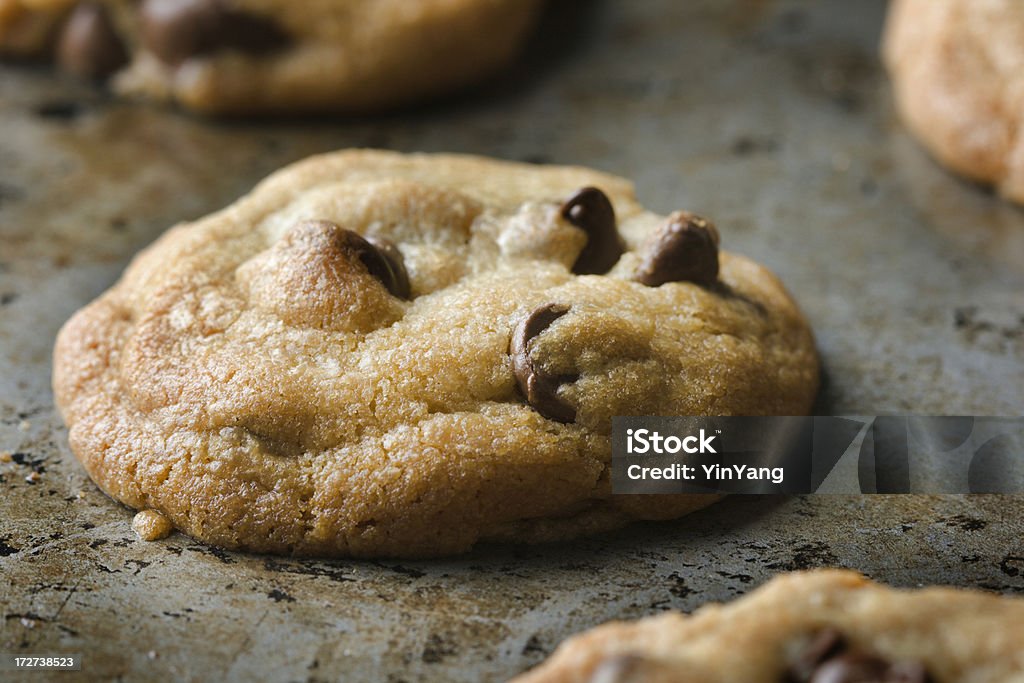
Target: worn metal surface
{"type": "Point", "coordinates": [772, 117]}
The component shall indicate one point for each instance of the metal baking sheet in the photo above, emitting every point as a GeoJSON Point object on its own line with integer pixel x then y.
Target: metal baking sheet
{"type": "Point", "coordinates": [771, 117]}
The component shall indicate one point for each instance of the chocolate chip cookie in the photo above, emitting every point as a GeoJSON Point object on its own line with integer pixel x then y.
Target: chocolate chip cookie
{"type": "Point", "coordinates": [826, 626]}
{"type": "Point", "coordinates": [957, 69]}
{"type": "Point", "coordinates": [375, 354]}
{"type": "Point", "coordinates": [260, 56]}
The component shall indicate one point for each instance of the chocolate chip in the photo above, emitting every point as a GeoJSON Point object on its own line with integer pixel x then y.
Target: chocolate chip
{"type": "Point", "coordinates": [591, 211]}
{"type": "Point", "coordinates": [826, 643]}
{"type": "Point", "coordinates": [89, 47]}
{"type": "Point", "coordinates": [389, 250]}
{"type": "Point", "coordinates": [539, 388]}
{"type": "Point", "coordinates": [685, 249]}
{"type": "Point", "coordinates": [382, 262]}
{"type": "Point", "coordinates": [175, 30]}
{"type": "Point", "coordinates": [853, 667]}
{"type": "Point", "coordinates": [827, 658]}
{"type": "Point", "coordinates": [848, 668]}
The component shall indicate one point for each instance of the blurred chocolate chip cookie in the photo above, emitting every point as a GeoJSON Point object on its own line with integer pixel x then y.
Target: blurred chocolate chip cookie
{"type": "Point", "coordinates": [378, 354]}
{"type": "Point", "coordinates": [255, 57]}
{"type": "Point", "coordinates": [957, 69]}
{"type": "Point", "coordinates": [825, 626]}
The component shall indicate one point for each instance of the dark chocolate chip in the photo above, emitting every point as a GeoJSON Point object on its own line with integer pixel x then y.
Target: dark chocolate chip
{"type": "Point", "coordinates": [539, 388]}
{"type": "Point", "coordinates": [175, 30]}
{"type": "Point", "coordinates": [389, 250]}
{"type": "Point", "coordinates": [826, 643]}
{"type": "Point", "coordinates": [89, 46]}
{"type": "Point", "coordinates": [591, 211]}
{"type": "Point", "coordinates": [382, 262]}
{"type": "Point", "coordinates": [853, 667]}
{"type": "Point", "coordinates": [685, 249]}
{"type": "Point", "coordinates": [827, 658]}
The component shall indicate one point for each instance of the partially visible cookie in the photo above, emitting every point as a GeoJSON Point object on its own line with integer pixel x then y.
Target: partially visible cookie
{"type": "Point", "coordinates": [825, 626]}
{"type": "Point", "coordinates": [378, 354]}
{"type": "Point", "coordinates": [266, 56]}
{"type": "Point", "coordinates": [957, 69]}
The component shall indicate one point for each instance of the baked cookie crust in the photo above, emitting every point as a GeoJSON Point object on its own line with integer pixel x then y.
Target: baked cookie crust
{"type": "Point", "coordinates": [267, 381]}
{"type": "Point", "coordinates": [825, 625]}
{"type": "Point", "coordinates": [957, 69]}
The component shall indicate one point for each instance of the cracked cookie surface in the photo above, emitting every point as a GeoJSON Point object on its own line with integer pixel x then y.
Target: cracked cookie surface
{"type": "Point", "coordinates": [825, 626]}
{"type": "Point", "coordinates": [331, 365]}
{"type": "Point", "coordinates": [957, 69]}
{"type": "Point", "coordinates": [243, 57]}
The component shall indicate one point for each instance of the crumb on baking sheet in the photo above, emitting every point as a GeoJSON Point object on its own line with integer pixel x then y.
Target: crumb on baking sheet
{"type": "Point", "coordinates": [150, 525]}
